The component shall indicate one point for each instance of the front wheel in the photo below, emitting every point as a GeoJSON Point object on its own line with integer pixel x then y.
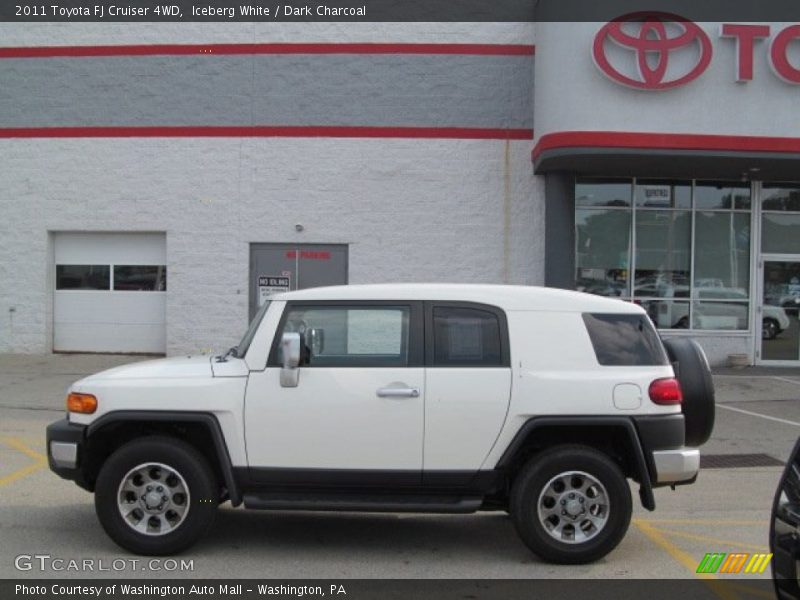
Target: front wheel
{"type": "Point", "coordinates": [571, 504]}
{"type": "Point", "coordinates": [156, 495]}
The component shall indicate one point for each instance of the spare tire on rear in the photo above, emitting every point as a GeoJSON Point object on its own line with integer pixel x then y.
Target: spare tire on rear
{"type": "Point", "coordinates": [694, 375]}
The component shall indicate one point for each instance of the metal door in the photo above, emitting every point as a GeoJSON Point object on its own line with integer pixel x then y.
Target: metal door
{"type": "Point", "coordinates": [276, 268]}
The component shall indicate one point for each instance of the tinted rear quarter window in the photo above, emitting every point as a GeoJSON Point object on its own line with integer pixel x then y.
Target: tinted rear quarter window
{"type": "Point", "coordinates": [624, 340]}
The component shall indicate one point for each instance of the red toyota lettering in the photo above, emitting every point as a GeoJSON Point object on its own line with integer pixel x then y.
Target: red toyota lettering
{"type": "Point", "coordinates": [745, 36]}
{"type": "Point", "coordinates": [779, 54]}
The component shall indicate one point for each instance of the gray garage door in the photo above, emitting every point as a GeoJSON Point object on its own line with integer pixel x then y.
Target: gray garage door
{"type": "Point", "coordinates": [282, 267]}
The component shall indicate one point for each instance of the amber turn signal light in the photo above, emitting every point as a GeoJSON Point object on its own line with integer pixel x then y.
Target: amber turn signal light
{"type": "Point", "coordinates": [81, 403]}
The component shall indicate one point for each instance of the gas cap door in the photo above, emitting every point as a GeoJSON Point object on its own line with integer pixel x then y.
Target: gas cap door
{"type": "Point", "coordinates": [627, 396]}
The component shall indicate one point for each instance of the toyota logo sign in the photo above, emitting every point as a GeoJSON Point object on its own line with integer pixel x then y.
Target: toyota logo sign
{"type": "Point", "coordinates": [650, 38]}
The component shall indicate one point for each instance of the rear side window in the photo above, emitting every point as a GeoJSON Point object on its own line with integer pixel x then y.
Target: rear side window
{"type": "Point", "coordinates": [624, 340]}
{"type": "Point", "coordinates": [466, 337]}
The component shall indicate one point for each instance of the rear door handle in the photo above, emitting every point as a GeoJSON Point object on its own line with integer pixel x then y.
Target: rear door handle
{"type": "Point", "coordinates": [398, 392]}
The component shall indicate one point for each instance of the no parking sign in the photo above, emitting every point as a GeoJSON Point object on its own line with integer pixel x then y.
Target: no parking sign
{"type": "Point", "coordinates": [269, 285]}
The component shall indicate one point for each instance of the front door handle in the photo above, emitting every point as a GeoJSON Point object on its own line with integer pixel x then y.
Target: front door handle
{"type": "Point", "coordinates": [398, 392]}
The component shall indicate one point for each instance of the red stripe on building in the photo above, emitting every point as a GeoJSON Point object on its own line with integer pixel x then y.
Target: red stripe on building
{"type": "Point", "coordinates": [225, 49]}
{"type": "Point", "coordinates": [466, 133]}
{"type": "Point", "coordinates": [664, 141]}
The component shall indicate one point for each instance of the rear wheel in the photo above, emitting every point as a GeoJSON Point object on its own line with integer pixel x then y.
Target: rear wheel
{"type": "Point", "coordinates": [156, 495]}
{"type": "Point", "coordinates": [571, 504]}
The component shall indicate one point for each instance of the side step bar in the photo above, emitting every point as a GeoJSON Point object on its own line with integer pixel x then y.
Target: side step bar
{"type": "Point", "coordinates": [362, 502]}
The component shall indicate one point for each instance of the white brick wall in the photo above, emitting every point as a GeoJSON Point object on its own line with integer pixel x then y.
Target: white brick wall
{"type": "Point", "coordinates": [411, 210]}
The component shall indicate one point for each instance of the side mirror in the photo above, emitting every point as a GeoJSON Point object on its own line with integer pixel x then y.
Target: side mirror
{"type": "Point", "coordinates": [316, 338]}
{"type": "Point", "coordinates": [290, 351]}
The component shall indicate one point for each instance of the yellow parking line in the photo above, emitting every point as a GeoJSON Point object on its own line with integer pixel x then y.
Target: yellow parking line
{"type": "Point", "coordinates": [658, 538]}
{"type": "Point", "coordinates": [17, 444]}
{"type": "Point", "coordinates": [703, 538]}
{"type": "Point", "coordinates": [720, 589]}
{"type": "Point", "coordinates": [20, 473]}
{"type": "Point", "coordinates": [41, 461]}
{"type": "Point", "coordinates": [725, 590]}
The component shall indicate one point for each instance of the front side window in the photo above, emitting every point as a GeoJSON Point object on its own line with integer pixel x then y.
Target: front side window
{"type": "Point", "coordinates": [466, 337]}
{"type": "Point", "coordinates": [342, 336]}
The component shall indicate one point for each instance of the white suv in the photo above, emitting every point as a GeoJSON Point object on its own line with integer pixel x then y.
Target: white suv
{"type": "Point", "coordinates": [416, 398]}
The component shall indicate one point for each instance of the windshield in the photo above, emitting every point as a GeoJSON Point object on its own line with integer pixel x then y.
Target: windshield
{"type": "Point", "coordinates": [241, 349]}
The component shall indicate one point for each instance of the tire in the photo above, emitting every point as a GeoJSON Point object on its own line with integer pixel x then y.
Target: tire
{"type": "Point", "coordinates": [769, 329]}
{"type": "Point", "coordinates": [548, 534]}
{"type": "Point", "coordinates": [162, 463]}
{"type": "Point", "coordinates": [697, 387]}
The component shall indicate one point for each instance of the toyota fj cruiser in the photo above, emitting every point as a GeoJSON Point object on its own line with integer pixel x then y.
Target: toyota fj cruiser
{"type": "Point", "coordinates": [413, 398]}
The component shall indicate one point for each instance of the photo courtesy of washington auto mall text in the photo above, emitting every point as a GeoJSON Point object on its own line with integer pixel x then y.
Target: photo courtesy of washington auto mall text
{"type": "Point", "coordinates": [400, 299]}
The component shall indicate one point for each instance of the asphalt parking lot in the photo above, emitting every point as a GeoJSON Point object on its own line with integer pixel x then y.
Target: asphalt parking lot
{"type": "Point", "coordinates": [727, 510]}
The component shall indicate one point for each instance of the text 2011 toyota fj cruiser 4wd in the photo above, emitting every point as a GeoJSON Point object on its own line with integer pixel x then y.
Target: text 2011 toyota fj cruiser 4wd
{"type": "Point", "coordinates": [415, 398]}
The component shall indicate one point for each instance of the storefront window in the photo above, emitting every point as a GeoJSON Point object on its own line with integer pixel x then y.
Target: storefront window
{"type": "Point", "coordinates": [781, 198]}
{"type": "Point", "coordinates": [686, 243]}
{"type": "Point", "coordinates": [603, 192]}
{"type": "Point", "coordinates": [603, 237]}
{"type": "Point", "coordinates": [663, 249]}
{"type": "Point", "coordinates": [722, 255]}
{"type": "Point", "coordinates": [780, 221]}
{"type": "Point", "coordinates": [710, 195]}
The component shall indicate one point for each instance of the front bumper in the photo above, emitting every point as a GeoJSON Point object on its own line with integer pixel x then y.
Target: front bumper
{"type": "Point", "coordinates": [65, 448]}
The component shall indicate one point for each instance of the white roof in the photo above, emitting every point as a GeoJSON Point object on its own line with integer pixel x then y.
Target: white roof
{"type": "Point", "coordinates": [509, 297]}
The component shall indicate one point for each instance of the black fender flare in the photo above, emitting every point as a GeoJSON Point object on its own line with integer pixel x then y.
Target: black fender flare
{"type": "Point", "coordinates": [207, 419]}
{"type": "Point", "coordinates": [623, 423]}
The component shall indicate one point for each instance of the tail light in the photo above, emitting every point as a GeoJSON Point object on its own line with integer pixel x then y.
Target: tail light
{"type": "Point", "coordinates": [666, 391]}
